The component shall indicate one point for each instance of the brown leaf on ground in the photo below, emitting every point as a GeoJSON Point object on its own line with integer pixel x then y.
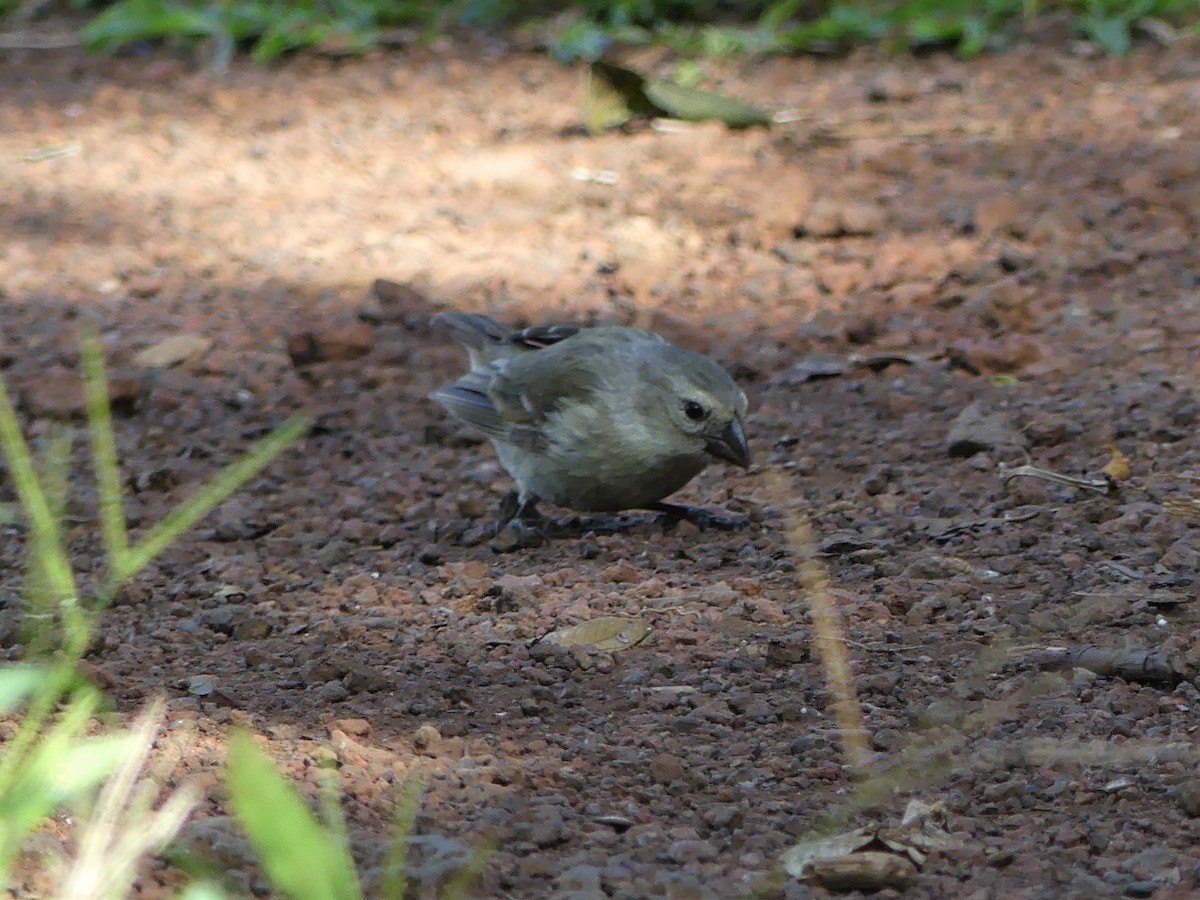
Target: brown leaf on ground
{"type": "Point", "coordinates": [171, 351]}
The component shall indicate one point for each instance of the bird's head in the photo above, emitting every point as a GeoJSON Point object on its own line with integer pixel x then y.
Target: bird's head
{"type": "Point", "coordinates": [701, 402]}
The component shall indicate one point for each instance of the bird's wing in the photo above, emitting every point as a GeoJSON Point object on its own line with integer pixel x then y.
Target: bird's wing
{"type": "Point", "coordinates": [510, 399]}
{"type": "Point", "coordinates": [540, 336]}
{"type": "Point", "coordinates": [468, 399]}
{"type": "Point", "coordinates": [511, 422]}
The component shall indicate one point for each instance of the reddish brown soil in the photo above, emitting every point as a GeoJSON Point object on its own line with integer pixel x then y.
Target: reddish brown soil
{"type": "Point", "coordinates": [1032, 216]}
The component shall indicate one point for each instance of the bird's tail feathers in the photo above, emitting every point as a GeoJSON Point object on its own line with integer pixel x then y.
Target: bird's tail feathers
{"type": "Point", "coordinates": [473, 330]}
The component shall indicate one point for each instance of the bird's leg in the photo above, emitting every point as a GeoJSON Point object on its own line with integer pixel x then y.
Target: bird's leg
{"type": "Point", "coordinates": [519, 524]}
{"type": "Point", "coordinates": [698, 516]}
{"type": "Point", "coordinates": [519, 513]}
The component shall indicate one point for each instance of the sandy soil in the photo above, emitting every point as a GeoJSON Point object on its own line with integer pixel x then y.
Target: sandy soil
{"type": "Point", "coordinates": [1007, 246]}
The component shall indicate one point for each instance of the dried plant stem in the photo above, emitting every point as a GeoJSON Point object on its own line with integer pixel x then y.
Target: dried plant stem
{"type": "Point", "coordinates": [830, 637]}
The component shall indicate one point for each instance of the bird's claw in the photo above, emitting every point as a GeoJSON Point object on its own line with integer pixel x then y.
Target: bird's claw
{"type": "Point", "coordinates": [519, 524]}
{"type": "Point", "coordinates": [702, 518]}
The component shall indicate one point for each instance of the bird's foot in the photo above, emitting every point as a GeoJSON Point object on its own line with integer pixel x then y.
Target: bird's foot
{"type": "Point", "coordinates": [699, 516]}
{"type": "Point", "coordinates": [519, 524]}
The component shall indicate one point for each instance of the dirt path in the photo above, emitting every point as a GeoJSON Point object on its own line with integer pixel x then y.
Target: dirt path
{"type": "Point", "coordinates": [1032, 216]}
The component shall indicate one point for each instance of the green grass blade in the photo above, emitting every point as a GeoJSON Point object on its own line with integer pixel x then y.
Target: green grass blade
{"type": "Point", "coordinates": [205, 498]}
{"type": "Point", "coordinates": [404, 820]}
{"type": "Point", "coordinates": [34, 759]}
{"type": "Point", "coordinates": [296, 853]}
{"type": "Point", "coordinates": [40, 605]}
{"type": "Point", "coordinates": [17, 683]}
{"type": "Point", "coordinates": [44, 527]}
{"type": "Point", "coordinates": [104, 452]}
{"type": "Point", "coordinates": [459, 886]}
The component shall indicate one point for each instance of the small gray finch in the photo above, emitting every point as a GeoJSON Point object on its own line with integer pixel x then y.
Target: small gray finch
{"type": "Point", "coordinates": [595, 419]}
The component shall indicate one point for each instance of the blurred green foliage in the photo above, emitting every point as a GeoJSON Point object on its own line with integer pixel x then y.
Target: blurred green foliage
{"type": "Point", "coordinates": [585, 29]}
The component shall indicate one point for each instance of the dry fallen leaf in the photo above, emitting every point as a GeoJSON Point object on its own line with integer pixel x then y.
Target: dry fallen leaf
{"type": "Point", "coordinates": [868, 870]}
{"type": "Point", "coordinates": [873, 858]}
{"type": "Point", "coordinates": [1118, 468]}
{"type": "Point", "coordinates": [610, 633]}
{"type": "Point", "coordinates": [1182, 507]}
{"type": "Point", "coordinates": [171, 351]}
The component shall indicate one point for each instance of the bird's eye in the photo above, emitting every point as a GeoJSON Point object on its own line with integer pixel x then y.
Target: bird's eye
{"type": "Point", "coordinates": [694, 411]}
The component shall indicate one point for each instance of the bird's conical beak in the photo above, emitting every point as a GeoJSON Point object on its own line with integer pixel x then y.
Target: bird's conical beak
{"type": "Point", "coordinates": [730, 445]}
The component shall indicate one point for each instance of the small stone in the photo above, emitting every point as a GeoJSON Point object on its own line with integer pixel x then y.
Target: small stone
{"type": "Point", "coordinates": [891, 86]}
{"type": "Point", "coordinates": [355, 727]}
{"type": "Point", "coordinates": [1141, 888]}
{"type": "Point", "coordinates": [841, 279]}
{"type": "Point", "coordinates": [716, 711]}
{"type": "Point", "coordinates": [999, 213]}
{"type": "Point", "coordinates": [330, 342]}
{"type": "Point", "coordinates": [548, 827]}
{"type": "Point", "coordinates": [581, 880]}
{"type": "Point", "coordinates": [944, 712]}
{"type": "Point", "coordinates": [975, 431]}
{"type": "Point", "coordinates": [1067, 835]}
{"type": "Point", "coordinates": [251, 629]}
{"type": "Point", "coordinates": [366, 679]}
{"type": "Point", "coordinates": [426, 737]}
{"type": "Point", "coordinates": [665, 768]}
{"type": "Point", "coordinates": [1188, 794]}
{"type": "Point", "coordinates": [429, 554]}
{"type": "Point", "coordinates": [723, 815]}
{"type": "Point", "coordinates": [57, 393]}
{"type": "Point", "coordinates": [331, 692]}
{"type": "Point", "coordinates": [235, 522]}
{"type": "Point", "coordinates": [862, 218]}
{"type": "Point", "coordinates": [1049, 429]}
{"type": "Point", "coordinates": [394, 301]}
{"type": "Point", "coordinates": [218, 840]}
{"type": "Point", "coordinates": [509, 538]}
{"type": "Point", "coordinates": [691, 850]}
{"type": "Point", "coordinates": [220, 619]}
{"type": "Point", "coordinates": [146, 285]}
{"type": "Point", "coordinates": [516, 591]}
{"type": "Point", "coordinates": [472, 507]}
{"type": "Point", "coordinates": [620, 572]}
{"type": "Point", "coordinates": [1183, 554]}
{"type": "Point", "coordinates": [823, 219]}
{"type": "Point", "coordinates": [985, 355]}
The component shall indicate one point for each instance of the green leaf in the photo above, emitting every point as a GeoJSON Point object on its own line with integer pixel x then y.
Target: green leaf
{"type": "Point", "coordinates": [1112, 34]}
{"type": "Point", "coordinates": [581, 39]}
{"type": "Point", "coordinates": [612, 95]}
{"type": "Point", "coordinates": [74, 769]}
{"type": "Point", "coordinates": [296, 852]}
{"type": "Point", "coordinates": [134, 20]}
{"type": "Point", "coordinates": [777, 13]}
{"type": "Point", "coordinates": [697, 105]}
{"type": "Point", "coordinates": [60, 767]}
{"type": "Point", "coordinates": [17, 683]}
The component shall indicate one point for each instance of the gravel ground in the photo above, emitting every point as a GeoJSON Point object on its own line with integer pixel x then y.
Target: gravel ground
{"type": "Point", "coordinates": [940, 271]}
